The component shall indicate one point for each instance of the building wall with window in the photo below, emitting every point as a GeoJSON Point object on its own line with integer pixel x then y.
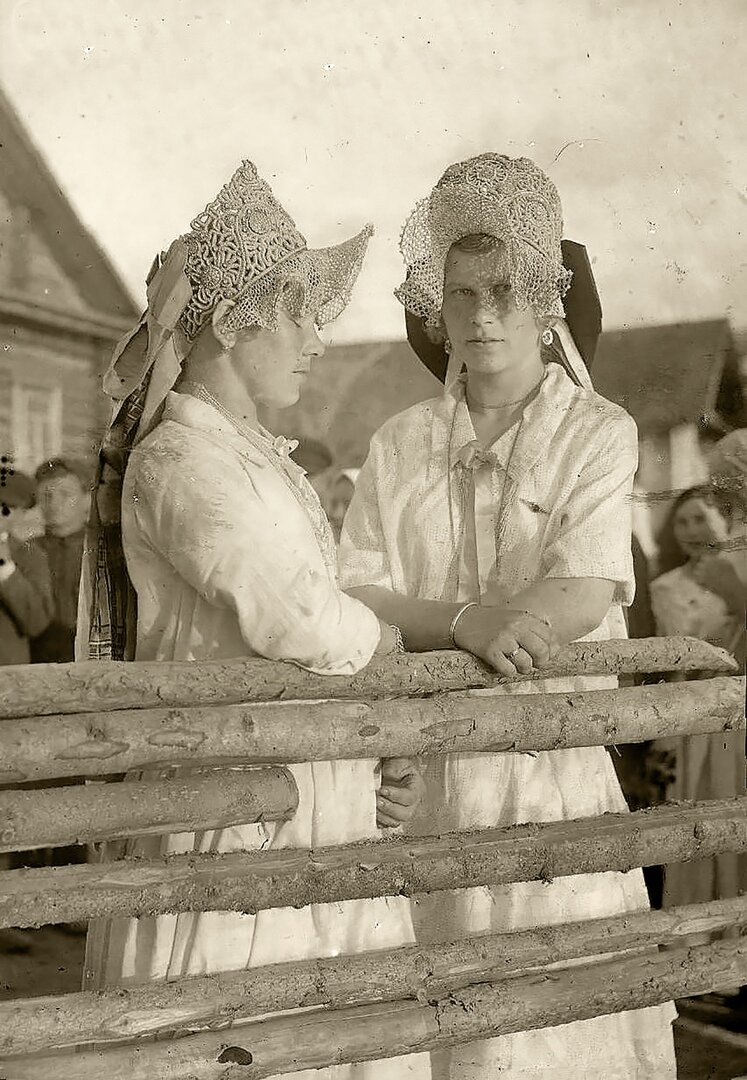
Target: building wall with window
{"type": "Point", "coordinates": [51, 401]}
{"type": "Point", "coordinates": [684, 385]}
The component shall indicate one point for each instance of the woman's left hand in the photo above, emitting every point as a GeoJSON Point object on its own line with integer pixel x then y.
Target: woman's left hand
{"type": "Point", "coordinates": [401, 792]}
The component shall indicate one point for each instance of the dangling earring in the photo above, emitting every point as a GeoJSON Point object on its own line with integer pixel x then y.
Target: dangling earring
{"type": "Point", "coordinates": [447, 346]}
{"type": "Point", "coordinates": [547, 336]}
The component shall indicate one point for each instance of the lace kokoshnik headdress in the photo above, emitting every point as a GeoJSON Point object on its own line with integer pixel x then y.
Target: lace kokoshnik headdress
{"type": "Point", "coordinates": [509, 198]}
{"type": "Point", "coordinates": [243, 247]}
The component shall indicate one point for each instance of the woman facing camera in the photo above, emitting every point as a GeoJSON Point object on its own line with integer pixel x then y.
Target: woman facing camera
{"type": "Point", "coordinates": [496, 518]}
{"type": "Point", "coordinates": [694, 538]}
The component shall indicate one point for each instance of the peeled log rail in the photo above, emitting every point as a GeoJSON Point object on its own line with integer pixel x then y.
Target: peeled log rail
{"type": "Point", "coordinates": [35, 1025]}
{"type": "Point", "coordinates": [80, 815]}
{"type": "Point", "coordinates": [313, 1040]}
{"type": "Point", "coordinates": [101, 686]}
{"type": "Point", "coordinates": [38, 748]}
{"type": "Point", "coordinates": [253, 881]}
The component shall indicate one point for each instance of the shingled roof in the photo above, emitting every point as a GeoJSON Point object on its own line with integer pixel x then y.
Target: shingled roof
{"type": "Point", "coordinates": [678, 373]}
{"type": "Point", "coordinates": [26, 180]}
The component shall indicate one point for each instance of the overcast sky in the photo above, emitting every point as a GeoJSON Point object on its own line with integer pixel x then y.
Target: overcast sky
{"type": "Point", "coordinates": [352, 110]}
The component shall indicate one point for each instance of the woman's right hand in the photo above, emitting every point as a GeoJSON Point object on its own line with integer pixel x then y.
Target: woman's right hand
{"type": "Point", "coordinates": [510, 641]}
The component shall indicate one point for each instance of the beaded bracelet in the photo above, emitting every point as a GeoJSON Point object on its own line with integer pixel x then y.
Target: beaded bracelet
{"type": "Point", "coordinates": [457, 617]}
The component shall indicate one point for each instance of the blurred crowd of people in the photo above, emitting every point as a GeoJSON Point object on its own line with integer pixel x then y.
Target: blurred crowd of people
{"type": "Point", "coordinates": [697, 587]}
{"type": "Point", "coordinates": [42, 530]}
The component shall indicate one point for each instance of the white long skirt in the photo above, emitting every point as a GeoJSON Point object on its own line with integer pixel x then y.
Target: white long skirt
{"type": "Point", "coordinates": [336, 806]}
{"type": "Point", "coordinates": [472, 791]}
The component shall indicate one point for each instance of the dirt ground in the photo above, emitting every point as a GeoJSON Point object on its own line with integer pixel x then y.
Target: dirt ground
{"type": "Point", "coordinates": [50, 961]}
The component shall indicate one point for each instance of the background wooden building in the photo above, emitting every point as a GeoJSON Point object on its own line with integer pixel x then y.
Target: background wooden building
{"type": "Point", "coordinates": [683, 385]}
{"type": "Point", "coordinates": [62, 306]}
{"type": "Point", "coordinates": [351, 392]}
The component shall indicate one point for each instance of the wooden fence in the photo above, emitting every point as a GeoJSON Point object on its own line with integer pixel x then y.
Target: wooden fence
{"type": "Point", "coordinates": [95, 720]}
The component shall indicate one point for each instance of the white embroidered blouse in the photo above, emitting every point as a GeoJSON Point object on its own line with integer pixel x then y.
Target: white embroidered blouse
{"type": "Point", "coordinates": [229, 550]}
{"type": "Point", "coordinates": [435, 518]}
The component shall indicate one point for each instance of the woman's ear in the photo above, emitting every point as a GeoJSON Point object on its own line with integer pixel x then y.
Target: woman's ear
{"type": "Point", "coordinates": [226, 338]}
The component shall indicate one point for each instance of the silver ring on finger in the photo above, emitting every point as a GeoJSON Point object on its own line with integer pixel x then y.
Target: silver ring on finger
{"type": "Point", "coordinates": [514, 656]}
{"type": "Point", "coordinates": [514, 653]}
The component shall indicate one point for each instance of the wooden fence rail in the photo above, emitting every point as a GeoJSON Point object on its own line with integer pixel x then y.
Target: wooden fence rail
{"type": "Point", "coordinates": [319, 1038]}
{"type": "Point", "coordinates": [38, 748]}
{"type": "Point", "coordinates": [222, 732]}
{"type": "Point", "coordinates": [80, 815]}
{"type": "Point", "coordinates": [102, 686]}
{"type": "Point", "coordinates": [34, 1025]}
{"type": "Point", "coordinates": [251, 881]}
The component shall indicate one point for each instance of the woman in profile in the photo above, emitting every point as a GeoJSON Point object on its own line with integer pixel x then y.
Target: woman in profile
{"type": "Point", "coordinates": [229, 554]}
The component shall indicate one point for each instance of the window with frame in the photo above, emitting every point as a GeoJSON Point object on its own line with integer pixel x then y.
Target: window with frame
{"type": "Point", "coordinates": [35, 424]}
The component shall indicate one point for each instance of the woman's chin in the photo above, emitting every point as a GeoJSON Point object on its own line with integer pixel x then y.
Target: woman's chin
{"type": "Point", "coordinates": [695, 552]}
{"type": "Point", "coordinates": [282, 400]}
{"type": "Point", "coordinates": [488, 365]}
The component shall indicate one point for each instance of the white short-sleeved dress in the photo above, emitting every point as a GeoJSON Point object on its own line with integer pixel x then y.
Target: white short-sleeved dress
{"type": "Point", "coordinates": [231, 556]}
{"type": "Point", "coordinates": [432, 518]}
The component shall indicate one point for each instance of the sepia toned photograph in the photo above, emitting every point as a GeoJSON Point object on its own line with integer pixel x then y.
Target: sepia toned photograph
{"type": "Point", "coordinates": [373, 529]}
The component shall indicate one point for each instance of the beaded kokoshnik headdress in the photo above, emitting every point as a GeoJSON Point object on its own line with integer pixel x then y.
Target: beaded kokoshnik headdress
{"type": "Point", "coordinates": [243, 247]}
{"type": "Point", "coordinates": [513, 200]}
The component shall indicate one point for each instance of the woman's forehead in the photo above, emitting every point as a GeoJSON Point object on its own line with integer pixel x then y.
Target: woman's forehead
{"type": "Point", "coordinates": [697, 504]}
{"type": "Point", "coordinates": [478, 267]}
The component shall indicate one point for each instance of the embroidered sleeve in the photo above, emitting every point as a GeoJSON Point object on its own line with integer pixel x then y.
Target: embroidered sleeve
{"type": "Point", "coordinates": [589, 533]}
{"type": "Point", "coordinates": [242, 542]}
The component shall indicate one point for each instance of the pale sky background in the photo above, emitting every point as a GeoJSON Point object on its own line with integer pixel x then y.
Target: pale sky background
{"type": "Point", "coordinates": [352, 110]}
